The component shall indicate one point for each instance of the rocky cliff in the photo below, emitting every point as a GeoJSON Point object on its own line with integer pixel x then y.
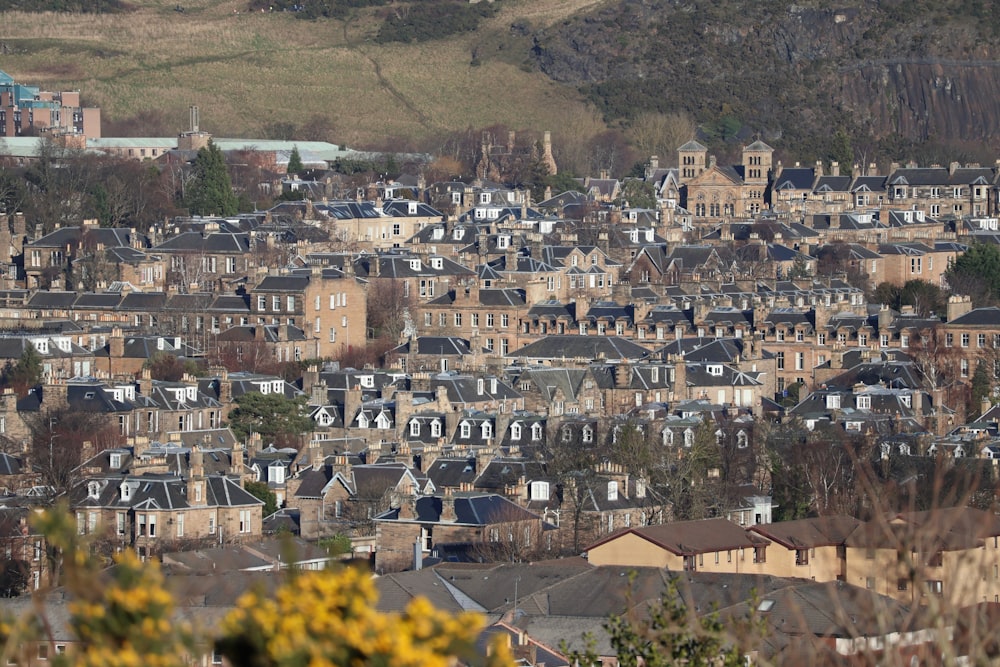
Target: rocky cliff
{"type": "Point", "coordinates": [890, 73]}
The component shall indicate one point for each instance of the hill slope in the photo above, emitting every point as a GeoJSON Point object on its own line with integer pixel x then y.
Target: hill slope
{"type": "Point", "coordinates": [865, 79]}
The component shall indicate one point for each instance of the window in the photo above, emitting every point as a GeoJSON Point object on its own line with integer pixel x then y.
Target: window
{"type": "Point", "coordinates": [902, 584]}
{"type": "Point", "coordinates": [800, 360]}
{"type": "Point", "coordinates": [864, 402]}
{"type": "Point", "coordinates": [870, 583]}
{"type": "Point", "coordinates": [504, 320]}
{"type": "Point", "coordinates": [935, 587]}
{"type": "Point", "coordinates": [949, 340]}
{"type": "Point", "coordinates": [801, 556]}
{"type": "Point", "coordinates": [244, 521]}
{"type": "Point", "coordinates": [465, 429]}
{"type": "Point", "coordinates": [780, 356]}
{"type": "Point", "coordinates": [981, 340]}
{"type": "Point", "coordinates": [821, 339]}
{"type": "Point", "coordinates": [489, 320]}
{"type": "Point", "coordinates": [458, 319]}
{"type": "Point", "coordinates": [180, 524]}
{"type": "Point", "coordinates": [414, 428]}
{"type": "Point", "coordinates": [779, 335]}
{"type": "Point", "coordinates": [965, 340]}
{"type": "Point", "coordinates": [760, 554]}
{"type": "Point", "coordinates": [515, 432]}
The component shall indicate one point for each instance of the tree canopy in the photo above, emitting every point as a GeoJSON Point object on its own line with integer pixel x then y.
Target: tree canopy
{"type": "Point", "coordinates": [295, 165]}
{"type": "Point", "coordinates": [210, 191]}
{"type": "Point", "coordinates": [977, 274]}
{"type": "Point", "coordinates": [275, 417]}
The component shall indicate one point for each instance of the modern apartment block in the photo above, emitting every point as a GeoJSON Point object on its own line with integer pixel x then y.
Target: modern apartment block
{"type": "Point", "coordinates": [29, 109]}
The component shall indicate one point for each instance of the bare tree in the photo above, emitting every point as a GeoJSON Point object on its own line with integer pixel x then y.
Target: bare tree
{"type": "Point", "coordinates": [661, 134]}
{"type": "Point", "coordinates": [390, 307]}
{"type": "Point", "coordinates": [60, 437]}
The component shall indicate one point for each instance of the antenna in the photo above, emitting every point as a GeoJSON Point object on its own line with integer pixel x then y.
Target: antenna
{"type": "Point", "coordinates": [193, 118]}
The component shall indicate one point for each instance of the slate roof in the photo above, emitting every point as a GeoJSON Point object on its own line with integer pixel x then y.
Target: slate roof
{"type": "Point", "coordinates": [795, 178]}
{"type": "Point", "coordinates": [470, 509]}
{"type": "Point", "coordinates": [160, 491]}
{"type": "Point", "coordinates": [582, 347]}
{"type": "Point", "coordinates": [989, 316]}
{"type": "Point", "coordinates": [213, 243]}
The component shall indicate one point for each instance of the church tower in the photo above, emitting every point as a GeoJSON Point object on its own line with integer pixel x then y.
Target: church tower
{"type": "Point", "coordinates": [692, 158]}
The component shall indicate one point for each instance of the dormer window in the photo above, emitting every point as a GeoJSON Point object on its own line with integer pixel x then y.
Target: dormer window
{"type": "Point", "coordinates": [437, 263]}
{"type": "Point", "coordinates": [833, 401]}
{"type": "Point", "coordinates": [515, 432]}
{"type": "Point", "coordinates": [437, 234]}
{"type": "Point", "coordinates": [411, 208]}
{"type": "Point", "coordinates": [864, 402]}
{"type": "Point", "coordinates": [115, 461]}
{"type": "Point", "coordinates": [539, 490]}
{"type": "Point", "coordinates": [688, 437]}
{"type": "Point", "coordinates": [465, 429]}
{"type": "Point", "coordinates": [536, 431]}
{"type": "Point", "coordinates": [414, 428]}
{"type": "Point", "coordinates": [94, 490]}
{"type": "Point", "coordinates": [458, 234]}
{"type": "Point", "coordinates": [126, 491]}
{"type": "Point", "coordinates": [612, 490]}
{"type": "Point", "coordinates": [436, 428]}
{"type": "Point", "coordinates": [503, 241]}
{"type": "Point", "coordinates": [715, 369]}
{"type": "Point", "coordinates": [415, 264]}
{"type": "Point", "coordinates": [192, 393]}
{"type": "Point", "coordinates": [276, 473]}
{"type": "Point", "coordinates": [362, 421]}
{"type": "Point", "coordinates": [276, 387]}
{"type": "Point", "coordinates": [366, 381]}
{"type": "Point", "coordinates": [484, 197]}
{"type": "Point", "coordinates": [487, 430]}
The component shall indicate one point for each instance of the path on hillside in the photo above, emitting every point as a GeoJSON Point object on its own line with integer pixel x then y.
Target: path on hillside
{"type": "Point", "coordinates": [421, 117]}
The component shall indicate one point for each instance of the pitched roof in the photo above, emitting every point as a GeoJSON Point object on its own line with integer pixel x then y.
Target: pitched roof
{"type": "Point", "coordinates": [688, 538]}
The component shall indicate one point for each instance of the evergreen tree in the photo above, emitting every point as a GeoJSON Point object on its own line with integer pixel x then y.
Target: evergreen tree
{"type": "Point", "coordinates": [210, 191]}
{"type": "Point", "coordinates": [295, 165]}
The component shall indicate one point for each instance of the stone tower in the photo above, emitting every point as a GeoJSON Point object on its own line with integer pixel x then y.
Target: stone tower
{"type": "Point", "coordinates": [692, 158]}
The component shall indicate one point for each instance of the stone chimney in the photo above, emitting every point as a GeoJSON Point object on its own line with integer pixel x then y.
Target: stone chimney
{"type": "Point", "coordinates": [711, 161]}
{"type": "Point", "coordinates": [819, 168]}
{"type": "Point", "coordinates": [342, 465]}
{"type": "Point", "coordinates": [679, 378]}
{"type": "Point", "coordinates": [835, 168]}
{"type": "Point", "coordinates": [236, 467]}
{"type": "Point", "coordinates": [353, 399]}
{"type": "Point", "coordinates": [407, 501]}
{"type": "Point", "coordinates": [952, 167]}
{"type": "Point", "coordinates": [448, 507]}
{"type": "Point", "coordinates": [316, 458]}
{"type": "Point", "coordinates": [622, 375]}
{"type": "Point", "coordinates": [196, 477]}
{"type": "Point", "coordinates": [116, 344]}
{"type": "Point", "coordinates": [958, 305]}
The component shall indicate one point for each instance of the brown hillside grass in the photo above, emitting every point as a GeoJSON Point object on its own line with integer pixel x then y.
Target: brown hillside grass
{"type": "Point", "coordinates": [246, 70]}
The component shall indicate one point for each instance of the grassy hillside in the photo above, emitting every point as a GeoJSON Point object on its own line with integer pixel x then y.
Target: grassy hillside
{"type": "Point", "coordinates": [246, 70]}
